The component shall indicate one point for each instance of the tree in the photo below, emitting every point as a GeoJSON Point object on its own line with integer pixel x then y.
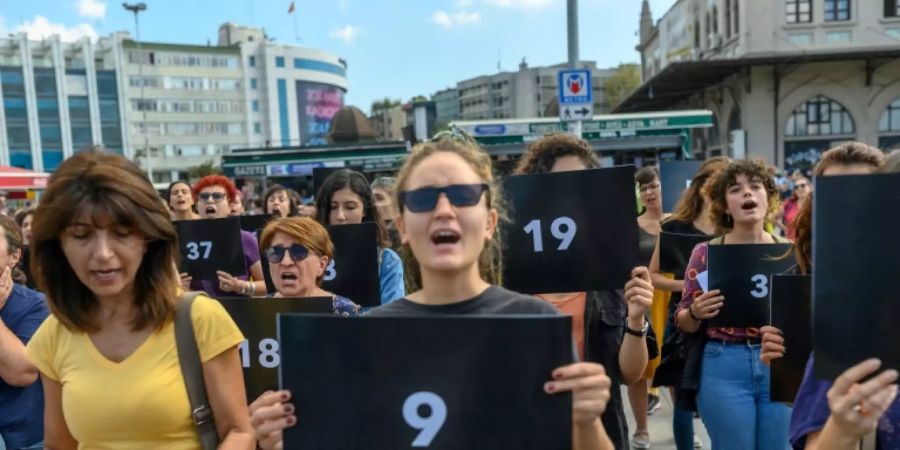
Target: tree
{"type": "Point", "coordinates": [384, 104]}
{"type": "Point", "coordinates": [207, 168]}
{"type": "Point", "coordinates": [619, 86]}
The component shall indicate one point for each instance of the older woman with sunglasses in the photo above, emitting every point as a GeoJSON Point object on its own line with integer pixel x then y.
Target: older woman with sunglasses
{"type": "Point", "coordinates": [298, 250]}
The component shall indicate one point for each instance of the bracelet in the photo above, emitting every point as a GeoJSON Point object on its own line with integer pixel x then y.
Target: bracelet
{"type": "Point", "coordinates": [252, 288]}
{"type": "Point", "coordinates": [245, 289]}
{"type": "Point", "coordinates": [691, 312]}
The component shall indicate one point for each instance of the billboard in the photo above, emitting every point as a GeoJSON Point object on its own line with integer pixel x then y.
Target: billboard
{"type": "Point", "coordinates": [317, 103]}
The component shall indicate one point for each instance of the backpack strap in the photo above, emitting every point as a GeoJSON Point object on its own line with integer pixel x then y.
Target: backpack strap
{"type": "Point", "coordinates": [192, 371]}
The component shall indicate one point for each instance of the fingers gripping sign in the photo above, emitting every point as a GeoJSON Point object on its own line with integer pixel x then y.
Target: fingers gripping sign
{"type": "Point", "coordinates": [589, 386]}
{"type": "Point", "coordinates": [639, 293]}
{"type": "Point", "coordinates": [857, 406]}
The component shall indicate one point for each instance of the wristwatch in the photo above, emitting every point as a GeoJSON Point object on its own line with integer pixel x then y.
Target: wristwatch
{"type": "Point", "coordinates": [639, 333]}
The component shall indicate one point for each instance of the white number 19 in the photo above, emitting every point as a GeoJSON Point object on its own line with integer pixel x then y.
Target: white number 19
{"type": "Point", "coordinates": [430, 425]}
{"type": "Point", "coordinates": [556, 229]}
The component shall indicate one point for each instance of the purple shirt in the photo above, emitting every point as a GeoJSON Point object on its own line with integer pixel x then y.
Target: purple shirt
{"type": "Point", "coordinates": [811, 411]}
{"type": "Point", "coordinates": [251, 257]}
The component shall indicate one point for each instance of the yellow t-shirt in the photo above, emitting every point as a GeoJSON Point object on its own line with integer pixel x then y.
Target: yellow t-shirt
{"type": "Point", "coordinates": [141, 402]}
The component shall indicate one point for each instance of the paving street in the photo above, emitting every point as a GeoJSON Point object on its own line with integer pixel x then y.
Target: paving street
{"type": "Point", "coordinates": [660, 425]}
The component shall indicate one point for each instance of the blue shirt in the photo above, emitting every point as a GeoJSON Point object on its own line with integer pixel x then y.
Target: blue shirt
{"type": "Point", "coordinates": [22, 409]}
{"type": "Point", "coordinates": [811, 411]}
{"type": "Point", "coordinates": [390, 273]}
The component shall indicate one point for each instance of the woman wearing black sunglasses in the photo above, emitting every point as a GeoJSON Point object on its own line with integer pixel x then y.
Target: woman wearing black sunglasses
{"type": "Point", "coordinates": [298, 250]}
{"type": "Point", "coordinates": [346, 198]}
{"type": "Point", "coordinates": [447, 222]}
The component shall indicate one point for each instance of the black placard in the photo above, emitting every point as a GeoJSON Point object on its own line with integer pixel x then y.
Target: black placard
{"type": "Point", "coordinates": [791, 313]}
{"type": "Point", "coordinates": [209, 245]}
{"type": "Point", "coordinates": [257, 319]}
{"type": "Point", "coordinates": [741, 272]}
{"type": "Point", "coordinates": [675, 251]}
{"type": "Point", "coordinates": [354, 378]}
{"type": "Point", "coordinates": [354, 272]}
{"type": "Point", "coordinates": [319, 174]}
{"type": "Point", "coordinates": [254, 223]}
{"type": "Point", "coordinates": [855, 270]}
{"type": "Point", "coordinates": [570, 231]}
{"type": "Point", "coordinates": [675, 177]}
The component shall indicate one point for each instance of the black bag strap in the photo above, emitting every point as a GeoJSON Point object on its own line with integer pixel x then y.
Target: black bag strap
{"type": "Point", "coordinates": [192, 371]}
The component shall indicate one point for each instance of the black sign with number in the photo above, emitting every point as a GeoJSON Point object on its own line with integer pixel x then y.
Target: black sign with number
{"type": "Point", "coordinates": [741, 272]}
{"type": "Point", "coordinates": [570, 231]}
{"type": "Point", "coordinates": [675, 251]}
{"type": "Point", "coordinates": [209, 245]}
{"type": "Point", "coordinates": [258, 321]}
{"type": "Point", "coordinates": [320, 174]}
{"type": "Point", "coordinates": [675, 177]}
{"type": "Point", "coordinates": [432, 382]}
{"type": "Point", "coordinates": [353, 273]}
{"type": "Point", "coordinates": [855, 269]}
{"type": "Point", "coordinates": [792, 314]}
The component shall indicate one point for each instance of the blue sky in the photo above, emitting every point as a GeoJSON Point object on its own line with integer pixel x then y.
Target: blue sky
{"type": "Point", "coordinates": [395, 48]}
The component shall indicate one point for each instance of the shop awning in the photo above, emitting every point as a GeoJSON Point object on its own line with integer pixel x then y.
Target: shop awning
{"type": "Point", "coordinates": [16, 179]}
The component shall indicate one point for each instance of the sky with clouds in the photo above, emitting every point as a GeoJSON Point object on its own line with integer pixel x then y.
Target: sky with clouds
{"type": "Point", "coordinates": [394, 48]}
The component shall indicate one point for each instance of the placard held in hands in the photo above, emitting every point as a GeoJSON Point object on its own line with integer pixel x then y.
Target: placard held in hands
{"type": "Point", "coordinates": [790, 304]}
{"type": "Point", "coordinates": [210, 245]}
{"type": "Point", "coordinates": [675, 177]}
{"type": "Point", "coordinates": [353, 273]}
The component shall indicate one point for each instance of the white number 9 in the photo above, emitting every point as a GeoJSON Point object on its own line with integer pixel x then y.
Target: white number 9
{"type": "Point", "coordinates": [330, 273]}
{"type": "Point", "coordinates": [762, 286]}
{"type": "Point", "coordinates": [430, 425]}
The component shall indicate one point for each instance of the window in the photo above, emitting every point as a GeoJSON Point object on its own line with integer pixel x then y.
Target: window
{"type": "Point", "coordinates": [279, 61]}
{"type": "Point", "coordinates": [736, 14]}
{"type": "Point", "coordinates": [320, 66]}
{"type": "Point", "coordinates": [890, 118]}
{"type": "Point", "coordinates": [819, 116]}
{"type": "Point", "coordinates": [257, 128]}
{"type": "Point", "coordinates": [837, 10]}
{"type": "Point", "coordinates": [799, 11]}
{"type": "Point", "coordinates": [728, 18]}
{"type": "Point", "coordinates": [891, 8]}
{"type": "Point", "coordinates": [255, 104]}
{"type": "Point", "coordinates": [252, 61]}
{"type": "Point", "coordinates": [253, 83]}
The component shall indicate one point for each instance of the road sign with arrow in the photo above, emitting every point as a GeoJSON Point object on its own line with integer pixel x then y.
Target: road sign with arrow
{"type": "Point", "coordinates": [575, 95]}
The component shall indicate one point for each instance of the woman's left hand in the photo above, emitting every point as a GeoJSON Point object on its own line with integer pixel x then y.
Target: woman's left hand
{"type": "Point", "coordinates": [589, 386]}
{"type": "Point", "coordinates": [229, 283]}
{"type": "Point", "coordinates": [639, 293]}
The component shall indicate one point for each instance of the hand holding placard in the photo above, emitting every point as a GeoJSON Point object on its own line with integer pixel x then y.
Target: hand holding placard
{"type": "Point", "coordinates": [707, 305]}
{"type": "Point", "coordinates": [856, 407]}
{"type": "Point", "coordinates": [639, 293]}
{"type": "Point", "coordinates": [772, 344]}
{"type": "Point", "coordinates": [589, 386]}
{"type": "Point", "coordinates": [269, 415]}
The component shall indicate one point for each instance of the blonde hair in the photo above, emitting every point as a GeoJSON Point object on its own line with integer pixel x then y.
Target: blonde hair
{"type": "Point", "coordinates": [489, 263]}
{"type": "Point", "coordinates": [304, 230]}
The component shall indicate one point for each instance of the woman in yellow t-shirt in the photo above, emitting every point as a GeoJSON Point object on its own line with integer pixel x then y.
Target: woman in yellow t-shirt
{"type": "Point", "coordinates": [104, 252]}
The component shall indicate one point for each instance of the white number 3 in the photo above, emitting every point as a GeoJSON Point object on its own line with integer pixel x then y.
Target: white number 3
{"type": "Point", "coordinates": [430, 425]}
{"type": "Point", "coordinates": [762, 286]}
{"type": "Point", "coordinates": [330, 273]}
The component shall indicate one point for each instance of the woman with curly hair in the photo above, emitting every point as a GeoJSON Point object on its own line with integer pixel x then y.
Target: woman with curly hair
{"type": "Point", "coordinates": [733, 396]}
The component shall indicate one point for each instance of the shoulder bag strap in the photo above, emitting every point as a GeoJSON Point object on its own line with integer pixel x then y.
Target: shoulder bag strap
{"type": "Point", "coordinates": [868, 441]}
{"type": "Point", "coordinates": [192, 371]}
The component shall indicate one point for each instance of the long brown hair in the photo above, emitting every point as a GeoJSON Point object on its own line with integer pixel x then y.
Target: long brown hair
{"type": "Point", "coordinates": [846, 154]}
{"type": "Point", "coordinates": [690, 205]}
{"type": "Point", "coordinates": [104, 185]}
{"type": "Point", "coordinates": [489, 263]}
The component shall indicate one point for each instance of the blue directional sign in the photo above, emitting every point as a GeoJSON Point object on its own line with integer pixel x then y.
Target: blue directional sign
{"type": "Point", "coordinates": [575, 87]}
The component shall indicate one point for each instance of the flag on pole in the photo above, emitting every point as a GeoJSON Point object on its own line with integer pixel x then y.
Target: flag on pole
{"type": "Point", "coordinates": [291, 8]}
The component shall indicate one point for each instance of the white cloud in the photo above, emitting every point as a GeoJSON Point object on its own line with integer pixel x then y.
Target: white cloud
{"type": "Point", "coordinates": [347, 33]}
{"type": "Point", "coordinates": [93, 9]}
{"type": "Point", "coordinates": [462, 18]}
{"type": "Point", "coordinates": [41, 28]}
{"type": "Point", "coordinates": [463, 3]}
{"type": "Point", "coordinates": [523, 4]}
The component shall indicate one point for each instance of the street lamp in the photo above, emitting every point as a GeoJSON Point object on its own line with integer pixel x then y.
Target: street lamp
{"type": "Point", "coordinates": [136, 8]}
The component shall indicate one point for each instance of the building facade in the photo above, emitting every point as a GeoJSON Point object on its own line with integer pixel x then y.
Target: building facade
{"type": "Point", "coordinates": [58, 98]}
{"type": "Point", "coordinates": [389, 123]}
{"type": "Point", "coordinates": [446, 104]}
{"type": "Point", "coordinates": [785, 80]}
{"type": "Point", "coordinates": [191, 105]}
{"type": "Point", "coordinates": [525, 93]}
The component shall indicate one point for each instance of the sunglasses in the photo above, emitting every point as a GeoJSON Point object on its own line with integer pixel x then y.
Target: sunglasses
{"type": "Point", "coordinates": [425, 199]}
{"type": "Point", "coordinates": [276, 253]}
{"type": "Point", "coordinates": [215, 196]}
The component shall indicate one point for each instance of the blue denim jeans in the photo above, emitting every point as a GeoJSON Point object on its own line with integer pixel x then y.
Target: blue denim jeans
{"type": "Point", "coordinates": [734, 400]}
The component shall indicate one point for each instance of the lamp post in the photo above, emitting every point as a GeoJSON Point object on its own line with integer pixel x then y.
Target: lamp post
{"type": "Point", "coordinates": [136, 8]}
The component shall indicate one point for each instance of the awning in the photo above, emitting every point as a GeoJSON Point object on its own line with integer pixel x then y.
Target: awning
{"type": "Point", "coordinates": [680, 80]}
{"type": "Point", "coordinates": [16, 179]}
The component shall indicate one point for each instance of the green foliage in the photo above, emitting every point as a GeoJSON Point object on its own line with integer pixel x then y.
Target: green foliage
{"type": "Point", "coordinates": [619, 86]}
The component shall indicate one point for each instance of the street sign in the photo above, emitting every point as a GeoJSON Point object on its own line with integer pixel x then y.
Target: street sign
{"type": "Point", "coordinates": [575, 96]}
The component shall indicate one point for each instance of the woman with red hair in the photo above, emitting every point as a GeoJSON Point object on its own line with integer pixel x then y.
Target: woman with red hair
{"type": "Point", "coordinates": [214, 194]}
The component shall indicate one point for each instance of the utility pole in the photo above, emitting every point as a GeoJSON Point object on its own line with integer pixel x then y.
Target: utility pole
{"type": "Point", "coordinates": [572, 22]}
{"type": "Point", "coordinates": [136, 8]}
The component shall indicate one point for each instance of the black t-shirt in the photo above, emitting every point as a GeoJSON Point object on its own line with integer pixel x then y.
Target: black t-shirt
{"type": "Point", "coordinates": [494, 300]}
